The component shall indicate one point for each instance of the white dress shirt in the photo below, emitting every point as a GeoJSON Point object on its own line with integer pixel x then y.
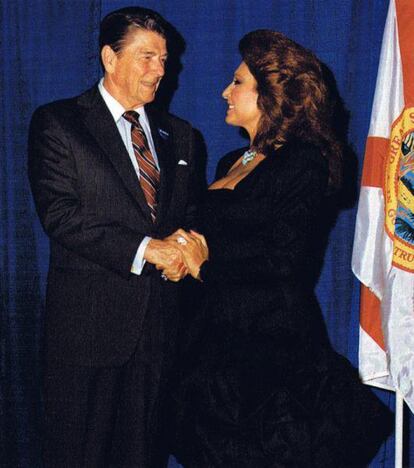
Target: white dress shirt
{"type": "Point", "coordinates": [124, 128]}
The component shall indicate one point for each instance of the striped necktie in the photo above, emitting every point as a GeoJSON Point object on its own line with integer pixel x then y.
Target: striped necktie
{"type": "Point", "coordinates": [148, 170]}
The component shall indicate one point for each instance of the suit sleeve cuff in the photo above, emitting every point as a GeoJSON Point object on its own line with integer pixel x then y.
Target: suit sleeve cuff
{"type": "Point", "coordinates": [139, 260]}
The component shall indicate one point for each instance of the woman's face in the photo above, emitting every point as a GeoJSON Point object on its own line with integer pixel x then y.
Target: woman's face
{"type": "Point", "coordinates": [241, 96]}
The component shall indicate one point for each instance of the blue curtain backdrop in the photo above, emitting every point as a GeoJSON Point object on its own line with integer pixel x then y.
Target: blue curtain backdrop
{"type": "Point", "coordinates": [48, 50]}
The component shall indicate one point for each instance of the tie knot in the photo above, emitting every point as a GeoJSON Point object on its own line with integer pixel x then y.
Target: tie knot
{"type": "Point", "coordinates": [132, 117]}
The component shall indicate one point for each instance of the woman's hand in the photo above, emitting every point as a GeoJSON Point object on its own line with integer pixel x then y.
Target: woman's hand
{"type": "Point", "coordinates": [194, 248]}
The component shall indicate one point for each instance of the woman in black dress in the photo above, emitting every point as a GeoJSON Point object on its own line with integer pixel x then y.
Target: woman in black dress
{"type": "Point", "coordinates": [259, 384]}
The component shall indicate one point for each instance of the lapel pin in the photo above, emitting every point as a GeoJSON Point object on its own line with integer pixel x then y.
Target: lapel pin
{"type": "Point", "coordinates": [163, 133]}
{"type": "Point", "coordinates": [181, 162]}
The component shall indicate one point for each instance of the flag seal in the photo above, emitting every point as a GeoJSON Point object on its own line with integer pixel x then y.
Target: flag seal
{"type": "Point", "coordinates": [399, 190]}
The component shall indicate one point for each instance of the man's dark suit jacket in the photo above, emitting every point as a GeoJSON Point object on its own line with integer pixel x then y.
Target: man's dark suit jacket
{"type": "Point", "coordinates": [92, 207]}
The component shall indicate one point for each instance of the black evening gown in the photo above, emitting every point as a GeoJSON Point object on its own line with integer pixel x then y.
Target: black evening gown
{"type": "Point", "coordinates": [259, 385]}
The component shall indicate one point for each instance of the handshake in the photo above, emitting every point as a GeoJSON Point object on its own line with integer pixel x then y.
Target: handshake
{"type": "Point", "coordinates": [178, 255]}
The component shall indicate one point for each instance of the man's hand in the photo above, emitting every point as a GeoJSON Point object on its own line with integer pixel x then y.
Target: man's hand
{"type": "Point", "coordinates": [166, 256]}
{"type": "Point", "coordinates": [174, 275]}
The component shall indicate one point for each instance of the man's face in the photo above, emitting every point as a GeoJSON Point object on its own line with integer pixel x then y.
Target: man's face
{"type": "Point", "coordinates": [133, 75]}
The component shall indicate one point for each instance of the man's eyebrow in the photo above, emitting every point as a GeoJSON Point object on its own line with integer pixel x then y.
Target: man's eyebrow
{"type": "Point", "coordinates": [150, 52]}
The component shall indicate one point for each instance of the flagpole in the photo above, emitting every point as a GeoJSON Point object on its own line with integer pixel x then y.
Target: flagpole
{"type": "Point", "coordinates": [399, 422]}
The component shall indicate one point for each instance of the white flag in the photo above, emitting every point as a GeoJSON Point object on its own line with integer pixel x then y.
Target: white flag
{"type": "Point", "coordinates": [383, 256]}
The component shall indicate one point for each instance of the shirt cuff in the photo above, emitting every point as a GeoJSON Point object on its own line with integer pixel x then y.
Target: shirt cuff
{"type": "Point", "coordinates": [139, 260]}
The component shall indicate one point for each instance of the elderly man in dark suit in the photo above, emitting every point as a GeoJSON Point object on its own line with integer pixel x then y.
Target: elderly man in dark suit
{"type": "Point", "coordinates": [111, 180]}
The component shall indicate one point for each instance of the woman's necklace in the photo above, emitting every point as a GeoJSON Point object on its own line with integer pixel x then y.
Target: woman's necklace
{"type": "Point", "coordinates": [248, 156]}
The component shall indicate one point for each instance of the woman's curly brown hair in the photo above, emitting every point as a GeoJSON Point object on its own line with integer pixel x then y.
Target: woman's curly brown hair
{"type": "Point", "coordinates": [294, 98]}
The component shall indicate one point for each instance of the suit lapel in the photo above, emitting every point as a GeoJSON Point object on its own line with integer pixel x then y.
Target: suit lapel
{"type": "Point", "coordinates": [162, 136]}
{"type": "Point", "coordinates": [102, 127]}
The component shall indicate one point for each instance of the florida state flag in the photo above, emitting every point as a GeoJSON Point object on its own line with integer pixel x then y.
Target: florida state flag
{"type": "Point", "coordinates": [383, 256]}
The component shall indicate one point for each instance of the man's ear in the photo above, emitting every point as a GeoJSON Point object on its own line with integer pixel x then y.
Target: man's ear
{"type": "Point", "coordinates": [109, 58]}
